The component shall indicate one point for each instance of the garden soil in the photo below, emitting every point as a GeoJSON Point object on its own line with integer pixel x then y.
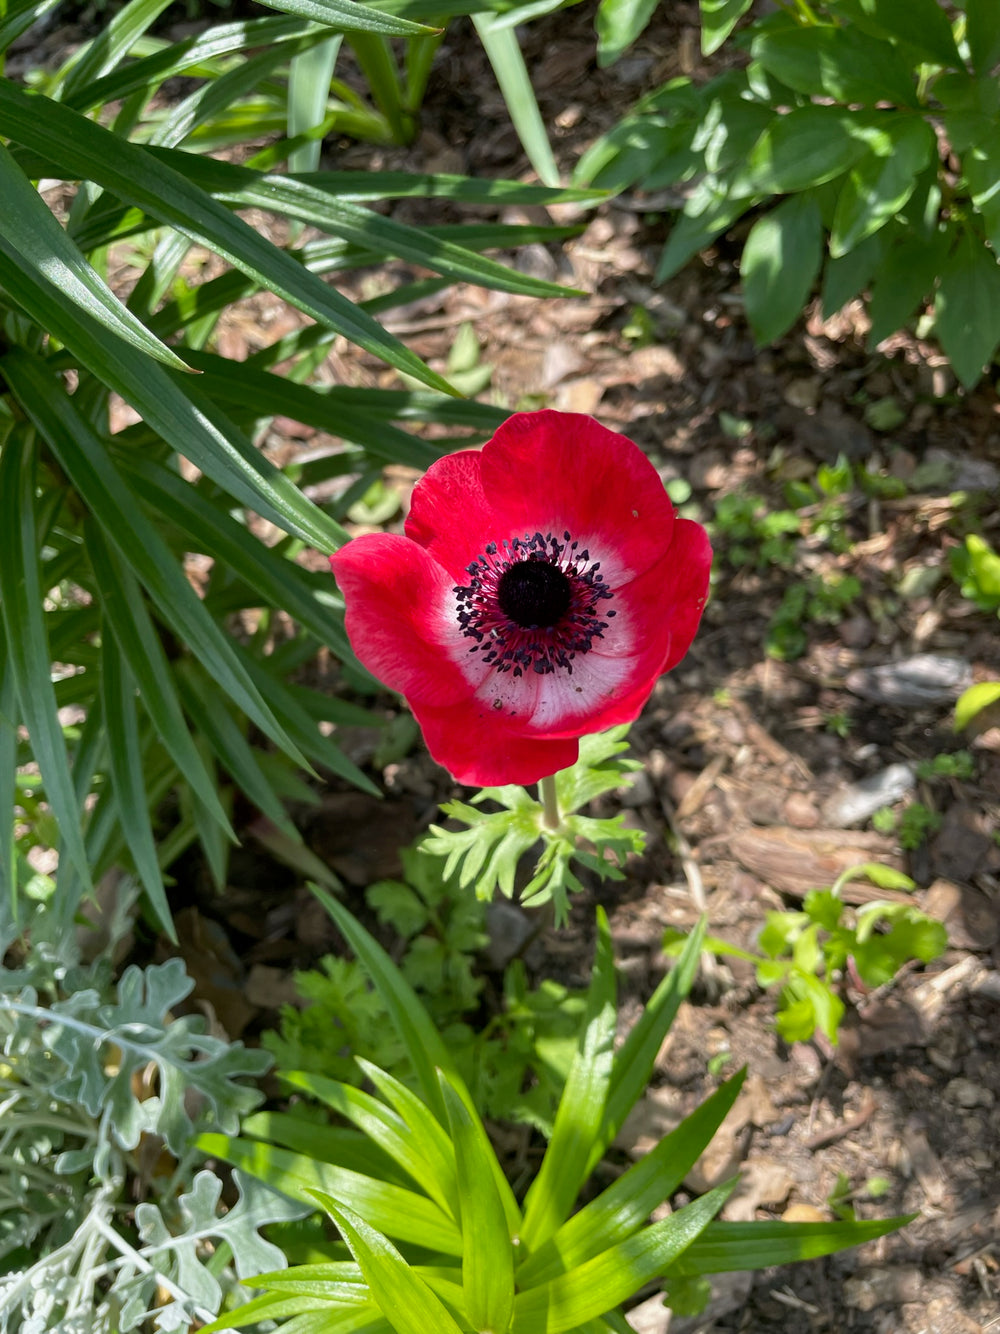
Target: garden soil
{"type": "Point", "coordinates": [749, 763]}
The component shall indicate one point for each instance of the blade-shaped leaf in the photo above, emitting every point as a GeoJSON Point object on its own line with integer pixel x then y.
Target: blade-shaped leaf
{"type": "Point", "coordinates": [626, 1204]}
{"type": "Point", "coordinates": [139, 643]}
{"type": "Point", "coordinates": [405, 1300]}
{"type": "Point", "coordinates": [487, 1254]}
{"type": "Point", "coordinates": [30, 235]}
{"type": "Point", "coordinates": [113, 42]}
{"type": "Point", "coordinates": [581, 1108]}
{"type": "Point", "coordinates": [95, 154]}
{"type": "Point", "coordinates": [349, 16]}
{"type": "Point", "coordinates": [21, 599]}
{"type": "Point", "coordinates": [725, 1247]}
{"type": "Point", "coordinates": [504, 54]}
{"type": "Point", "coordinates": [617, 1273]}
{"type": "Point", "coordinates": [128, 777]}
{"type": "Point", "coordinates": [8, 778]}
{"type": "Point", "coordinates": [85, 458]}
{"type": "Point", "coordinates": [432, 1170]}
{"type": "Point", "coordinates": [400, 1213]}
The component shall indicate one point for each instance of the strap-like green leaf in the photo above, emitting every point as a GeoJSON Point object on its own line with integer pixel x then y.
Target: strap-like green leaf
{"type": "Point", "coordinates": [125, 753]}
{"type": "Point", "coordinates": [186, 420]}
{"type": "Point", "coordinates": [85, 458]}
{"type": "Point", "coordinates": [725, 1247]}
{"type": "Point", "coordinates": [400, 1213]}
{"type": "Point", "coordinates": [504, 54]}
{"type": "Point", "coordinates": [19, 15]}
{"type": "Point", "coordinates": [626, 1204]}
{"type": "Point", "coordinates": [21, 598]}
{"type": "Point", "coordinates": [8, 778]}
{"type": "Point", "coordinates": [405, 1300]}
{"type": "Point", "coordinates": [424, 1161]}
{"type": "Point", "coordinates": [31, 236]}
{"type": "Point", "coordinates": [95, 154]}
{"type": "Point", "coordinates": [616, 1274]}
{"type": "Point", "coordinates": [634, 1062]}
{"type": "Point", "coordinates": [113, 42]}
{"type": "Point", "coordinates": [421, 1039]}
{"type": "Point", "coordinates": [580, 1114]}
{"type": "Point", "coordinates": [140, 645]}
{"type": "Point", "coordinates": [348, 16]}
{"type": "Point", "coordinates": [487, 1253]}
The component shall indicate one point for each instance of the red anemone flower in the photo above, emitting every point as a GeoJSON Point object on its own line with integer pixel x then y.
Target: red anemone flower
{"type": "Point", "coordinates": [542, 586]}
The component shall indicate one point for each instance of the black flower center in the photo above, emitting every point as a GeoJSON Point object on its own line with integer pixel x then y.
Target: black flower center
{"type": "Point", "coordinates": [532, 603]}
{"type": "Point", "coordinates": [534, 593]}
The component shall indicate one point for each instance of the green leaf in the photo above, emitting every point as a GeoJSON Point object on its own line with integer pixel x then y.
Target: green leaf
{"type": "Point", "coordinates": [974, 700]}
{"type": "Point", "coordinates": [846, 277]}
{"type": "Point", "coordinates": [982, 30]}
{"type": "Point", "coordinates": [405, 1300]}
{"type": "Point", "coordinates": [349, 16]}
{"type": "Point", "coordinates": [112, 43]}
{"type": "Point", "coordinates": [880, 183]}
{"type": "Point", "coordinates": [624, 1206]}
{"type": "Point", "coordinates": [31, 236]}
{"type": "Point", "coordinates": [128, 776]}
{"type": "Point", "coordinates": [718, 19]}
{"type": "Point", "coordinates": [619, 23]}
{"type": "Point", "coordinates": [429, 1161]}
{"type": "Point", "coordinates": [309, 75]}
{"type": "Point", "coordinates": [487, 1254]}
{"type": "Point", "coordinates": [982, 172]}
{"type": "Point", "coordinates": [918, 24]}
{"type": "Point", "coordinates": [581, 1109]}
{"type": "Point", "coordinates": [22, 603]}
{"type": "Point", "coordinates": [710, 211]}
{"type": "Point", "coordinates": [635, 1060]}
{"type": "Point", "coordinates": [600, 1284]}
{"type": "Point", "coordinates": [141, 646]}
{"type": "Point", "coordinates": [85, 459]}
{"type": "Point", "coordinates": [399, 1212]}
{"type": "Point", "coordinates": [8, 778]}
{"type": "Point", "coordinates": [907, 273]}
{"type": "Point", "coordinates": [93, 153]}
{"type": "Point", "coordinates": [839, 62]}
{"type": "Point", "coordinates": [967, 308]}
{"type": "Point", "coordinates": [781, 259]}
{"type": "Point", "coordinates": [504, 53]}
{"type": "Point", "coordinates": [807, 146]}
{"type": "Point", "coordinates": [725, 1247]}
{"type": "Point", "coordinates": [17, 17]}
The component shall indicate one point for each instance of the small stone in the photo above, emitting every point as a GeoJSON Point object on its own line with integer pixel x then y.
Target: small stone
{"type": "Point", "coordinates": [859, 802]}
{"type": "Point", "coordinates": [857, 632]}
{"type": "Point", "coordinates": [966, 1093]}
{"type": "Point", "coordinates": [800, 1212]}
{"type": "Point", "coordinates": [883, 1287]}
{"type": "Point", "coordinates": [509, 929]}
{"type": "Point", "coordinates": [914, 683]}
{"type": "Point", "coordinates": [639, 792]}
{"type": "Point", "coordinates": [650, 1316]}
{"type": "Point", "coordinates": [800, 811]}
{"type": "Point", "coordinates": [802, 392]}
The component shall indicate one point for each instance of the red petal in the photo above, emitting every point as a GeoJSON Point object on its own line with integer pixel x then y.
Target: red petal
{"type": "Point", "coordinates": [449, 515]}
{"type": "Point", "coordinates": [558, 471]}
{"type": "Point", "coordinates": [400, 615]}
{"type": "Point", "coordinates": [469, 740]}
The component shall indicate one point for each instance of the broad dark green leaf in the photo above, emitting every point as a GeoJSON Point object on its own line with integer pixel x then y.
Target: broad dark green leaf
{"type": "Point", "coordinates": [918, 24]}
{"type": "Point", "coordinates": [906, 275]}
{"type": "Point", "coordinates": [140, 644]}
{"type": "Point", "coordinates": [128, 776]}
{"type": "Point", "coordinates": [822, 60]}
{"type": "Point", "coordinates": [625, 1205]}
{"type": "Point", "coordinates": [716, 212]}
{"type": "Point", "coordinates": [725, 1247]}
{"type": "Point", "coordinates": [982, 171]}
{"type": "Point", "coordinates": [967, 308]}
{"type": "Point", "coordinates": [601, 1284]}
{"type": "Point", "coordinates": [846, 277]}
{"type": "Point", "coordinates": [619, 23]}
{"type": "Point", "coordinates": [86, 460]}
{"type": "Point", "coordinates": [31, 236]}
{"type": "Point", "coordinates": [807, 146]}
{"type": "Point", "coordinates": [718, 19]}
{"type": "Point", "coordinates": [880, 183]}
{"type": "Point", "coordinates": [23, 609]}
{"type": "Point", "coordinates": [405, 1300]}
{"type": "Point", "coordinates": [95, 154]}
{"type": "Point", "coordinates": [780, 262]}
{"type": "Point", "coordinates": [580, 1114]}
{"type": "Point", "coordinates": [982, 19]}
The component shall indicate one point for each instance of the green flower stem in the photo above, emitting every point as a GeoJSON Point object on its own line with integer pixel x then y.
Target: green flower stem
{"type": "Point", "coordinates": [551, 818]}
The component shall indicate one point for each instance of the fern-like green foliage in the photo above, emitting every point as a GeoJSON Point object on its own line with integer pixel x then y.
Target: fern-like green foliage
{"type": "Point", "coordinates": [488, 851]}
